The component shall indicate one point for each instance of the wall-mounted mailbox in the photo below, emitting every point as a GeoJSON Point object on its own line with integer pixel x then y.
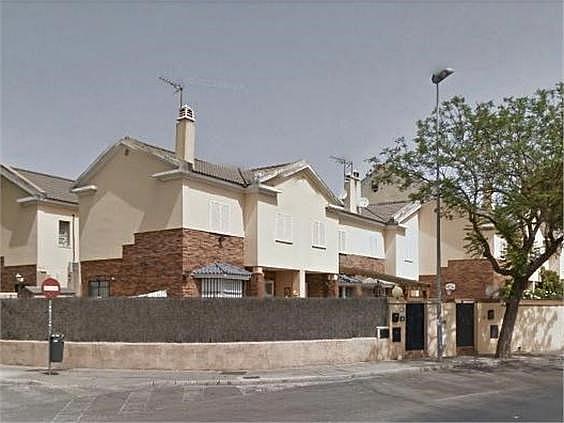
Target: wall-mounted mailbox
{"type": "Point", "coordinates": [396, 334]}
{"type": "Point", "coordinates": [395, 317]}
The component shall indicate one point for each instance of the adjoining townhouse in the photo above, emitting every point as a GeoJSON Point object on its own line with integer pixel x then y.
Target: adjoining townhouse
{"type": "Point", "coordinates": [474, 278]}
{"type": "Point", "coordinates": [154, 219]}
{"type": "Point", "coordinates": [39, 229]}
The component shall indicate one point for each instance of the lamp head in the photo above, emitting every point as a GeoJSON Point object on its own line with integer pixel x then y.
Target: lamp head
{"type": "Point", "coordinates": [442, 74]}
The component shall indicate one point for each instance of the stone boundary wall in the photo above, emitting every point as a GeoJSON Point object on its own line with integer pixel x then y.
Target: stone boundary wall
{"type": "Point", "coordinates": [193, 319]}
{"type": "Point", "coordinates": [215, 356]}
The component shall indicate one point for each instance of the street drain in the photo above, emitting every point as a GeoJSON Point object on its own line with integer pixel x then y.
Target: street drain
{"type": "Point", "coordinates": [234, 373]}
{"type": "Point", "coordinates": [251, 377]}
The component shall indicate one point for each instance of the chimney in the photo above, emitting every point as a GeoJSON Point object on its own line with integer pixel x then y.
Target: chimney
{"type": "Point", "coordinates": [185, 134]}
{"type": "Point", "coordinates": [352, 188]}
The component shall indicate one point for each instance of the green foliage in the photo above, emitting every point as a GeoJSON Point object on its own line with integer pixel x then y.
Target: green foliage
{"type": "Point", "coordinates": [550, 287]}
{"type": "Point", "coordinates": [500, 167]}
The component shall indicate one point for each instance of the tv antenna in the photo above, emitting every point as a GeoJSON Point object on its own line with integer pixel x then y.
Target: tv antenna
{"type": "Point", "coordinates": [347, 164]}
{"type": "Point", "coordinates": [178, 86]}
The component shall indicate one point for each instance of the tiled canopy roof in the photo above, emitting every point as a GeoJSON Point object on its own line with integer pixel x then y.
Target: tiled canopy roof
{"type": "Point", "coordinates": [52, 187]}
{"type": "Point", "coordinates": [221, 270]}
{"type": "Point", "coordinates": [384, 211]}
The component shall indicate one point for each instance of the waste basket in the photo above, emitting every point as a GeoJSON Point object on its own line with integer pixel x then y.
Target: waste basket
{"type": "Point", "coordinates": [56, 347]}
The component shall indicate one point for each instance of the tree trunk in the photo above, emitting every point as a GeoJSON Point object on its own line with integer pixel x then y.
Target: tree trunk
{"type": "Point", "coordinates": [503, 349]}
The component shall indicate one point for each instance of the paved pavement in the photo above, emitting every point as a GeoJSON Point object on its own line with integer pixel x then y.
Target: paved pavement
{"type": "Point", "coordinates": [526, 389]}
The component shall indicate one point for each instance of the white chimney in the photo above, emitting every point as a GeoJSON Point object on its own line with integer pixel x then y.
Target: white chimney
{"type": "Point", "coordinates": [185, 134]}
{"type": "Point", "coordinates": [352, 189]}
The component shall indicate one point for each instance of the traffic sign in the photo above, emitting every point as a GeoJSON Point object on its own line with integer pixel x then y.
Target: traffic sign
{"type": "Point", "coordinates": [51, 288]}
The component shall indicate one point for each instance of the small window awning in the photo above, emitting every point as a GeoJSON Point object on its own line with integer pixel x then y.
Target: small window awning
{"type": "Point", "coordinates": [349, 280]}
{"type": "Point", "coordinates": [221, 271]}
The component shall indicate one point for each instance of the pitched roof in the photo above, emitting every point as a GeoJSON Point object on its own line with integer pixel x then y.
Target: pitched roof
{"type": "Point", "coordinates": [45, 186]}
{"type": "Point", "coordinates": [385, 211]}
{"type": "Point", "coordinates": [237, 175]}
{"type": "Point", "coordinates": [221, 270]}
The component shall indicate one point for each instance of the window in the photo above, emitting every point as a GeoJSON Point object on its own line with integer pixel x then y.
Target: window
{"type": "Point", "coordinates": [269, 288]}
{"type": "Point", "coordinates": [219, 217]}
{"type": "Point", "coordinates": [64, 233]}
{"type": "Point", "coordinates": [342, 241]}
{"type": "Point", "coordinates": [318, 235]}
{"type": "Point", "coordinates": [99, 288]}
{"type": "Point", "coordinates": [284, 228]}
{"type": "Point", "coordinates": [222, 288]}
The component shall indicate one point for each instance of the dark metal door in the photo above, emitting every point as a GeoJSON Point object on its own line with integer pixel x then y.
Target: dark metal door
{"type": "Point", "coordinates": [414, 326]}
{"type": "Point", "coordinates": [465, 325]}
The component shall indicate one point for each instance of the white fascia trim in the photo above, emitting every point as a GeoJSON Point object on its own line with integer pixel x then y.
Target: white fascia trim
{"type": "Point", "coordinates": [262, 189]}
{"type": "Point", "coordinates": [406, 212]}
{"type": "Point", "coordinates": [85, 189]}
{"type": "Point", "coordinates": [29, 200]}
{"type": "Point", "coordinates": [25, 200]}
{"type": "Point", "coordinates": [168, 175]}
{"type": "Point", "coordinates": [341, 212]}
{"type": "Point", "coordinates": [20, 181]}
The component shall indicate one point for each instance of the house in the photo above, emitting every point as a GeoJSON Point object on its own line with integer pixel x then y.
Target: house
{"type": "Point", "coordinates": [39, 229]}
{"type": "Point", "coordinates": [154, 219]}
{"type": "Point", "coordinates": [473, 277]}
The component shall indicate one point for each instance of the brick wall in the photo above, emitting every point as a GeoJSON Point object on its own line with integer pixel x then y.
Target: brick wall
{"type": "Point", "coordinates": [360, 265]}
{"type": "Point", "coordinates": [474, 278]}
{"type": "Point", "coordinates": [161, 260]}
{"type": "Point", "coordinates": [8, 275]}
{"type": "Point", "coordinates": [319, 285]}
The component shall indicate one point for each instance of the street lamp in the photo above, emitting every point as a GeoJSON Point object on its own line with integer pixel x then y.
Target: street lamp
{"type": "Point", "coordinates": [436, 79]}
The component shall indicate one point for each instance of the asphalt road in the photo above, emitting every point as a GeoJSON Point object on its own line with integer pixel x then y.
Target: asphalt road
{"type": "Point", "coordinates": [510, 392]}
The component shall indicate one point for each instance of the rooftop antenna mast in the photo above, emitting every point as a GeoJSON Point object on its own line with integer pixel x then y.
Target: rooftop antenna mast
{"type": "Point", "coordinates": [347, 164]}
{"type": "Point", "coordinates": [178, 86]}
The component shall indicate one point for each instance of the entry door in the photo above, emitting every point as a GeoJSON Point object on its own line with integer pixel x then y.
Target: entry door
{"type": "Point", "coordinates": [465, 325]}
{"type": "Point", "coordinates": [414, 326]}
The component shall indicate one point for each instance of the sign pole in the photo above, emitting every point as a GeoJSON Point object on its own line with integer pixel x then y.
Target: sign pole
{"type": "Point", "coordinates": [50, 331]}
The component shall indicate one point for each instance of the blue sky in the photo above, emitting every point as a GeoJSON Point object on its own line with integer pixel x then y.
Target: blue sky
{"type": "Point", "coordinates": [269, 82]}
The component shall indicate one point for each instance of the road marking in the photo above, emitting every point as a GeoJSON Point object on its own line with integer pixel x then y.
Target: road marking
{"type": "Point", "coordinates": [474, 394]}
{"type": "Point", "coordinates": [136, 402]}
{"type": "Point", "coordinates": [74, 410]}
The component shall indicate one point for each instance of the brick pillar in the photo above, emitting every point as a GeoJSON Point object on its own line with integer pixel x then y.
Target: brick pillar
{"type": "Point", "coordinates": [357, 291]}
{"type": "Point", "coordinates": [255, 287]}
{"type": "Point", "coordinates": [191, 287]}
{"type": "Point", "coordinates": [332, 286]}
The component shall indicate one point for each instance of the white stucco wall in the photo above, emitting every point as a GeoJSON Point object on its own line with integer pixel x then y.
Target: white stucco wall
{"type": "Point", "coordinates": [407, 249]}
{"type": "Point", "coordinates": [305, 204]}
{"type": "Point", "coordinates": [196, 200]}
{"type": "Point", "coordinates": [18, 226]}
{"type": "Point", "coordinates": [128, 200]}
{"type": "Point", "coordinates": [452, 239]}
{"type": "Point", "coordinates": [359, 239]}
{"type": "Point", "coordinates": [53, 259]}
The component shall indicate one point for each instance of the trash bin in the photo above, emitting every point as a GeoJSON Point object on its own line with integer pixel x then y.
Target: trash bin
{"type": "Point", "coordinates": [56, 347]}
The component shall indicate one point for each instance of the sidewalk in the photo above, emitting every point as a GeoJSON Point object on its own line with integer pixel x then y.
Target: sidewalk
{"type": "Point", "coordinates": [83, 378]}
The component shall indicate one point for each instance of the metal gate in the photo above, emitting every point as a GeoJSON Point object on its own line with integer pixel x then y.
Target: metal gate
{"type": "Point", "coordinates": [414, 326]}
{"type": "Point", "coordinates": [465, 325]}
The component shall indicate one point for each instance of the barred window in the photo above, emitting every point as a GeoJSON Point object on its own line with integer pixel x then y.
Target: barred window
{"type": "Point", "coordinates": [99, 288]}
{"type": "Point", "coordinates": [222, 288]}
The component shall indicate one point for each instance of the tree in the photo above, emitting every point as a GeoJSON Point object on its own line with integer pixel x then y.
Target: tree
{"type": "Point", "coordinates": [500, 166]}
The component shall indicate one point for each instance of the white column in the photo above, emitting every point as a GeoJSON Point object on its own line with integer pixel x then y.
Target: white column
{"type": "Point", "coordinates": [302, 283]}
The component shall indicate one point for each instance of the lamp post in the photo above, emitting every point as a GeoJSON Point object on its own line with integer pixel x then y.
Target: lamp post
{"type": "Point", "coordinates": [436, 79]}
